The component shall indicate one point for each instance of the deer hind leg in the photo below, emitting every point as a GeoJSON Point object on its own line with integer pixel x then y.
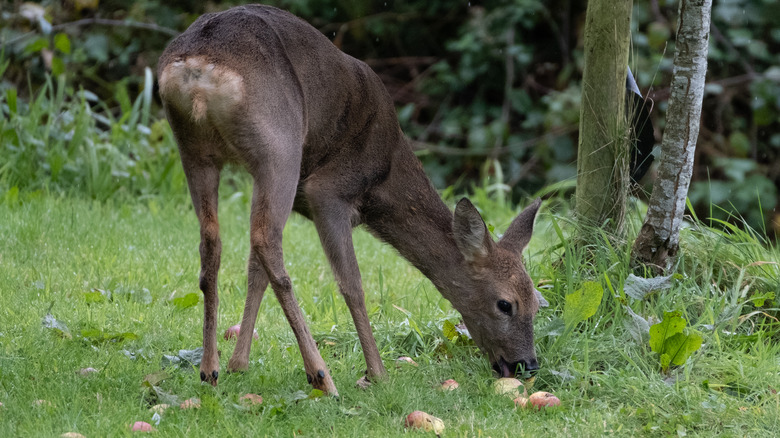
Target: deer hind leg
{"type": "Point", "coordinates": [332, 219]}
{"type": "Point", "coordinates": [276, 180]}
{"type": "Point", "coordinates": [257, 282]}
{"type": "Point", "coordinates": [203, 181]}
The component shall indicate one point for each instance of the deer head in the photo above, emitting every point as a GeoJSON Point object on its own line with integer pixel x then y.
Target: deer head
{"type": "Point", "coordinates": [497, 299]}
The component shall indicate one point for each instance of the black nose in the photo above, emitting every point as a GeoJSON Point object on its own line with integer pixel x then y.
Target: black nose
{"type": "Point", "coordinates": [530, 367]}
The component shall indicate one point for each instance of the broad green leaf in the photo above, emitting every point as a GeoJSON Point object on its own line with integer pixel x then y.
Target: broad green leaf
{"type": "Point", "coordinates": [154, 379]}
{"type": "Point", "coordinates": [638, 287]}
{"type": "Point", "coordinates": [10, 97]}
{"type": "Point", "coordinates": [637, 326]}
{"type": "Point", "coordinates": [62, 43]}
{"type": "Point", "coordinates": [94, 297]}
{"type": "Point", "coordinates": [186, 359]}
{"type": "Point", "coordinates": [680, 346]}
{"type": "Point", "coordinates": [57, 66]}
{"type": "Point", "coordinates": [449, 331]}
{"type": "Point", "coordinates": [759, 300]}
{"type": "Point", "coordinates": [671, 343]}
{"type": "Point", "coordinates": [553, 328]}
{"type": "Point", "coordinates": [583, 303]}
{"type": "Point", "coordinates": [159, 395]}
{"type": "Point", "coordinates": [665, 360]}
{"type": "Point", "coordinates": [97, 336]}
{"type": "Point", "coordinates": [670, 326]}
{"type": "Point", "coordinates": [37, 45]}
{"type": "Point", "coordinates": [56, 326]}
{"type": "Point", "coordinates": [190, 300]}
{"type": "Point", "coordinates": [296, 396]}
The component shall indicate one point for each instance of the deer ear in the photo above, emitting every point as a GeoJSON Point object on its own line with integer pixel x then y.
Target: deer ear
{"type": "Point", "coordinates": [519, 232]}
{"type": "Point", "coordinates": [470, 233]}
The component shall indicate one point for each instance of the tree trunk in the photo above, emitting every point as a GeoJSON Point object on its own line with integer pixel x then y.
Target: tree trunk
{"type": "Point", "coordinates": [659, 238]}
{"type": "Point", "coordinates": [602, 157]}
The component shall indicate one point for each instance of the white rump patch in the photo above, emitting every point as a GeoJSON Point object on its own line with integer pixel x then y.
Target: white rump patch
{"type": "Point", "coordinates": [198, 87]}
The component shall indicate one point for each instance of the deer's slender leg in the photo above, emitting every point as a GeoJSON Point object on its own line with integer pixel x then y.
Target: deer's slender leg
{"type": "Point", "coordinates": [331, 217]}
{"type": "Point", "coordinates": [276, 180]}
{"type": "Point", "coordinates": [257, 282]}
{"type": "Point", "coordinates": [203, 181]}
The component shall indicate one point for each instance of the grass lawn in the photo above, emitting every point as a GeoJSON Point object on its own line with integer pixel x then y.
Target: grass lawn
{"type": "Point", "coordinates": [119, 275]}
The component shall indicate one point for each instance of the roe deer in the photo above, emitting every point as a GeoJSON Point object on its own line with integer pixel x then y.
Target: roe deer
{"type": "Point", "coordinates": [318, 132]}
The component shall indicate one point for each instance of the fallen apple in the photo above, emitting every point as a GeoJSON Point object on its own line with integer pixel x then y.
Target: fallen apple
{"type": "Point", "coordinates": [190, 403]}
{"type": "Point", "coordinates": [406, 359]}
{"type": "Point", "coordinates": [251, 399]}
{"type": "Point", "coordinates": [141, 426]}
{"type": "Point", "coordinates": [542, 399]}
{"type": "Point", "coordinates": [424, 421]}
{"type": "Point", "coordinates": [233, 331]}
{"type": "Point", "coordinates": [72, 435]}
{"type": "Point", "coordinates": [87, 371]}
{"type": "Point", "coordinates": [159, 409]}
{"type": "Point", "coordinates": [449, 385]}
{"type": "Point", "coordinates": [509, 386]}
{"type": "Point", "coordinates": [521, 401]}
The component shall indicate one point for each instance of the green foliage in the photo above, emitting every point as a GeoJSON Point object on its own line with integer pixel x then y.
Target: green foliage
{"type": "Point", "coordinates": [671, 343]}
{"type": "Point", "coordinates": [495, 82]}
{"type": "Point", "coordinates": [187, 301]}
{"type": "Point", "coordinates": [75, 144]}
{"type": "Point", "coordinates": [582, 303]}
{"type": "Point", "coordinates": [60, 250]}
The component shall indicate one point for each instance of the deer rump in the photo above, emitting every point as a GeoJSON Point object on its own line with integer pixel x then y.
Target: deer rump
{"type": "Point", "coordinates": [318, 132]}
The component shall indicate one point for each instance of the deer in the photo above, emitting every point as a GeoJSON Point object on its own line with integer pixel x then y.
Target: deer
{"type": "Point", "coordinates": [317, 131]}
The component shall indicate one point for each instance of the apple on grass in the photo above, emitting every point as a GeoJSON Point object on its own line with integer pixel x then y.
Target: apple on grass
{"type": "Point", "coordinates": [233, 331]}
{"type": "Point", "coordinates": [425, 421]}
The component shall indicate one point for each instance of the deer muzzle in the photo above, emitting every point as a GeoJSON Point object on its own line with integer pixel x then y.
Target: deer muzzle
{"type": "Point", "coordinates": [520, 369]}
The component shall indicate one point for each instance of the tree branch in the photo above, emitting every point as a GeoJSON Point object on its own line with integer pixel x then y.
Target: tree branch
{"type": "Point", "coordinates": [102, 22]}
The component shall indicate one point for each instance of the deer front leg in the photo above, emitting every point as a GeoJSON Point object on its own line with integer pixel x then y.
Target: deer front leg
{"type": "Point", "coordinates": [271, 205]}
{"type": "Point", "coordinates": [316, 371]}
{"type": "Point", "coordinates": [335, 230]}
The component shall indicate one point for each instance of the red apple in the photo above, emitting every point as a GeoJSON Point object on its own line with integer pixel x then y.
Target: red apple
{"type": "Point", "coordinates": [449, 385]}
{"type": "Point", "coordinates": [141, 426]}
{"type": "Point", "coordinates": [542, 399]}
{"type": "Point", "coordinates": [232, 332]}
{"type": "Point", "coordinates": [406, 359]}
{"type": "Point", "coordinates": [424, 421]}
{"type": "Point", "coordinates": [190, 403]}
{"type": "Point", "coordinates": [251, 399]}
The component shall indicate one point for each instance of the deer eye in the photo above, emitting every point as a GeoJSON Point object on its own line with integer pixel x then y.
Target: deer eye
{"type": "Point", "coordinates": [504, 306]}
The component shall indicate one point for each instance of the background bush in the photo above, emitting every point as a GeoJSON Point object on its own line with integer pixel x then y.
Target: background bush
{"type": "Point", "coordinates": [488, 91]}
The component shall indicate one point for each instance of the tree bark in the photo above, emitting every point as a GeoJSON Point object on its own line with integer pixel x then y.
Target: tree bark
{"type": "Point", "coordinates": [602, 157]}
{"type": "Point", "coordinates": [659, 238]}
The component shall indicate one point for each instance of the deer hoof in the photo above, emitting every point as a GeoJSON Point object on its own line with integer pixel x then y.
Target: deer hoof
{"type": "Point", "coordinates": [236, 366]}
{"type": "Point", "coordinates": [322, 381]}
{"type": "Point", "coordinates": [212, 379]}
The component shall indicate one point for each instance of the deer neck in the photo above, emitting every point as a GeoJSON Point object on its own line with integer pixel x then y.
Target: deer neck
{"type": "Point", "coordinates": [407, 213]}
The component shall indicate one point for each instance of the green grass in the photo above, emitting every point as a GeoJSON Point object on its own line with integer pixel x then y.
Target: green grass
{"type": "Point", "coordinates": [96, 229]}
{"type": "Point", "coordinates": [54, 250]}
